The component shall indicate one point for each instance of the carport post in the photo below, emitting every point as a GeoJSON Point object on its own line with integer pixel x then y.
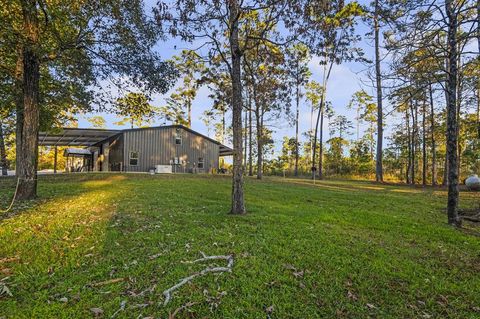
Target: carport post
{"type": "Point", "coordinates": [55, 160]}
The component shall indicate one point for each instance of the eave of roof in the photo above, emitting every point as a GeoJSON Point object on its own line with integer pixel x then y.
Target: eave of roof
{"type": "Point", "coordinates": [77, 151]}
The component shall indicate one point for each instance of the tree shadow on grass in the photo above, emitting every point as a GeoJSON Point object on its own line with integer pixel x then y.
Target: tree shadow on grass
{"type": "Point", "coordinates": [46, 245]}
{"type": "Point", "coordinates": [53, 188]}
{"type": "Point", "coordinates": [88, 230]}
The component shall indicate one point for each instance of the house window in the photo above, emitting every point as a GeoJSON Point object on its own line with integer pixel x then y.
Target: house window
{"type": "Point", "coordinates": [200, 162]}
{"type": "Point", "coordinates": [178, 137]}
{"type": "Point", "coordinates": [133, 159]}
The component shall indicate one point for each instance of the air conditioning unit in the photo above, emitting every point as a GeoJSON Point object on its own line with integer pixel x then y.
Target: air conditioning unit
{"type": "Point", "coordinates": [163, 169]}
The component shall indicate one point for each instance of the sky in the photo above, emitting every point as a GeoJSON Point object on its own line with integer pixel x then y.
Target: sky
{"type": "Point", "coordinates": [345, 80]}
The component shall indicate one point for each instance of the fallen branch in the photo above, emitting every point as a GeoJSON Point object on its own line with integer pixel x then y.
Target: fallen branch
{"type": "Point", "coordinates": [471, 219]}
{"type": "Point", "coordinates": [142, 293]}
{"type": "Point", "coordinates": [229, 258]}
{"type": "Point", "coordinates": [122, 308]}
{"type": "Point", "coordinates": [168, 293]}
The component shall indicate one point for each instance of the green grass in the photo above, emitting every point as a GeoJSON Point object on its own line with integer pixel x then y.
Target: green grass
{"type": "Point", "coordinates": [336, 249]}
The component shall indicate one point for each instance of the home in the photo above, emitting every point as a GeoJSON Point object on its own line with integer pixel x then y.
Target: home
{"type": "Point", "coordinates": [173, 148]}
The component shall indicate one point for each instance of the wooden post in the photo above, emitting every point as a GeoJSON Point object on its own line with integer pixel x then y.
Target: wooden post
{"type": "Point", "coordinates": [55, 160]}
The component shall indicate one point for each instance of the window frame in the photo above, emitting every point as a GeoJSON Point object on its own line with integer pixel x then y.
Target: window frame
{"type": "Point", "coordinates": [130, 157]}
{"type": "Point", "coordinates": [201, 160]}
{"type": "Point", "coordinates": [178, 137]}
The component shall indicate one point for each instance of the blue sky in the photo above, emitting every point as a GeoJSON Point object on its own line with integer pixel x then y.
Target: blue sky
{"type": "Point", "coordinates": [345, 80]}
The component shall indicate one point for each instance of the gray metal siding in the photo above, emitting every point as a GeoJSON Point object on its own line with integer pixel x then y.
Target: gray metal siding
{"type": "Point", "coordinates": [156, 146]}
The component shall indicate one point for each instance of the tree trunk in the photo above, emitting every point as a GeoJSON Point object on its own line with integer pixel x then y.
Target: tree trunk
{"type": "Point", "coordinates": [28, 153]}
{"type": "Point", "coordinates": [326, 77]}
{"type": "Point", "coordinates": [314, 146]}
{"type": "Point", "coordinates": [259, 132]}
{"type": "Point", "coordinates": [409, 147]}
{"type": "Point", "coordinates": [245, 137]}
{"type": "Point", "coordinates": [18, 107]}
{"type": "Point", "coordinates": [250, 147]}
{"type": "Point", "coordinates": [445, 171]}
{"type": "Point", "coordinates": [3, 152]}
{"type": "Point", "coordinates": [259, 144]}
{"type": "Point", "coordinates": [238, 204]}
{"type": "Point", "coordinates": [434, 147]}
{"type": "Point", "coordinates": [297, 115]}
{"type": "Point", "coordinates": [417, 140]}
{"type": "Point", "coordinates": [372, 143]}
{"type": "Point", "coordinates": [459, 103]}
{"type": "Point", "coordinates": [452, 125]}
{"type": "Point", "coordinates": [378, 76]}
{"type": "Point", "coordinates": [319, 116]}
{"type": "Point", "coordinates": [320, 151]}
{"type": "Point", "coordinates": [459, 160]}
{"type": "Point", "coordinates": [478, 115]}
{"type": "Point", "coordinates": [478, 80]}
{"type": "Point", "coordinates": [312, 163]}
{"type": "Point", "coordinates": [189, 107]}
{"type": "Point", "coordinates": [224, 125]}
{"type": "Point", "coordinates": [413, 142]}
{"type": "Point", "coordinates": [424, 145]}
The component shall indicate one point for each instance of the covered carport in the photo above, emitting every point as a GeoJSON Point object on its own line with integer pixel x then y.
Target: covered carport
{"type": "Point", "coordinates": [73, 137]}
{"type": "Point", "coordinates": [225, 150]}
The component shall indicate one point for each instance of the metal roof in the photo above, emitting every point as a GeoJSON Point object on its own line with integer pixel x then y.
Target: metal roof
{"type": "Point", "coordinates": [225, 150]}
{"type": "Point", "coordinates": [77, 151]}
{"type": "Point", "coordinates": [75, 136]}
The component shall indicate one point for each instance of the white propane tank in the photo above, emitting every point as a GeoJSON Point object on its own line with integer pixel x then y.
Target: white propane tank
{"type": "Point", "coordinates": [473, 182]}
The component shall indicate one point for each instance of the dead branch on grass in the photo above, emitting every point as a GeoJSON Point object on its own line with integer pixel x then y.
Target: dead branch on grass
{"type": "Point", "coordinates": [229, 258]}
{"type": "Point", "coordinates": [122, 308]}
{"type": "Point", "coordinates": [471, 218]}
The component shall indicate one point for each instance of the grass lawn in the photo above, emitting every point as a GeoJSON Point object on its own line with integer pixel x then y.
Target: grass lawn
{"type": "Point", "coordinates": [336, 249]}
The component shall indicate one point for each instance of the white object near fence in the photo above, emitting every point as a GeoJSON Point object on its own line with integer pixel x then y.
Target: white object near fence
{"type": "Point", "coordinates": [163, 169]}
{"type": "Point", "coordinates": [473, 182]}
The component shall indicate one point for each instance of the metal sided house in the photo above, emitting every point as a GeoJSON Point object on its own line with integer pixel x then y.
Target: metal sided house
{"type": "Point", "coordinates": [173, 148]}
